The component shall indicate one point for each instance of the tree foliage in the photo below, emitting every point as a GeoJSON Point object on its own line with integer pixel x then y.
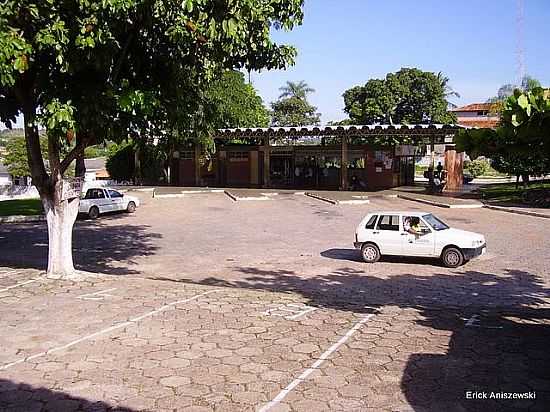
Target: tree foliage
{"type": "Point", "coordinates": [120, 162]}
{"type": "Point", "coordinates": [295, 89]}
{"type": "Point", "coordinates": [407, 96]}
{"type": "Point", "coordinates": [234, 103]}
{"type": "Point", "coordinates": [16, 155]}
{"type": "Point", "coordinates": [292, 108]}
{"type": "Point", "coordinates": [521, 143]}
{"type": "Point", "coordinates": [528, 83]}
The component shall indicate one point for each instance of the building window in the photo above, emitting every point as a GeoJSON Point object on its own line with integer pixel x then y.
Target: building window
{"type": "Point", "coordinates": [238, 156]}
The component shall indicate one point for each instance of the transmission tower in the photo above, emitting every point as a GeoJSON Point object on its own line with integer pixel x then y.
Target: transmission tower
{"type": "Point", "coordinates": [520, 68]}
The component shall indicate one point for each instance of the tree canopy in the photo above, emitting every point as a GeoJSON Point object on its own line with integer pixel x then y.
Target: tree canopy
{"type": "Point", "coordinates": [16, 155]}
{"type": "Point", "coordinates": [292, 108]}
{"type": "Point", "coordinates": [407, 96]}
{"type": "Point", "coordinates": [235, 103]}
{"type": "Point", "coordinates": [528, 83]}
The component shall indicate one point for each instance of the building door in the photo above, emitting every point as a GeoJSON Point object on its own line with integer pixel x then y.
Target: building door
{"type": "Point", "coordinates": [406, 170]}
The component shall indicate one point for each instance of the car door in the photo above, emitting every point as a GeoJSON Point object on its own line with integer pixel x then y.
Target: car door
{"type": "Point", "coordinates": [117, 201]}
{"type": "Point", "coordinates": [417, 245]}
{"type": "Point", "coordinates": [387, 234]}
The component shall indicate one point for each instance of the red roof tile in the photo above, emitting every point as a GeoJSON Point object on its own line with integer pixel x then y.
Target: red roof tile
{"type": "Point", "coordinates": [475, 107]}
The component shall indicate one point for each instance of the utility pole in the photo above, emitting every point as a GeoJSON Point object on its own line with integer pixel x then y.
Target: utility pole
{"type": "Point", "coordinates": [519, 42]}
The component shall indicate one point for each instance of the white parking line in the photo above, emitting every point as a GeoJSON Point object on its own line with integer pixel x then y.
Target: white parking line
{"type": "Point", "coordinates": [107, 330]}
{"type": "Point", "coordinates": [19, 284]}
{"type": "Point", "coordinates": [97, 295]}
{"type": "Point", "coordinates": [315, 365]}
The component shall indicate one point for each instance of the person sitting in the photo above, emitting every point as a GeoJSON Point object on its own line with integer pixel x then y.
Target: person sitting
{"type": "Point", "coordinates": [411, 225]}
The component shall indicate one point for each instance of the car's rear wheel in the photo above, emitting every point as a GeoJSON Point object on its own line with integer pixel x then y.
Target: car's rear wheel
{"type": "Point", "coordinates": [452, 257]}
{"type": "Point", "coordinates": [370, 253]}
{"type": "Point", "coordinates": [131, 208]}
{"type": "Point", "coordinates": [93, 213]}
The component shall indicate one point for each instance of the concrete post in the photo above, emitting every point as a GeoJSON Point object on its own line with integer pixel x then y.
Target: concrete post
{"type": "Point", "coordinates": [197, 164]}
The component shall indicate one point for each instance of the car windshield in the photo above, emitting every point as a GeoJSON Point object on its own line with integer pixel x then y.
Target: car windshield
{"type": "Point", "coordinates": [434, 222]}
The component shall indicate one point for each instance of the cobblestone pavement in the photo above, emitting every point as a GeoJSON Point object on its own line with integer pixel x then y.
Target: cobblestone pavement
{"type": "Point", "coordinates": [210, 304]}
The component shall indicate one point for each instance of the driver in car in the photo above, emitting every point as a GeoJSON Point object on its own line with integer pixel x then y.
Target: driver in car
{"type": "Point", "coordinates": [411, 224]}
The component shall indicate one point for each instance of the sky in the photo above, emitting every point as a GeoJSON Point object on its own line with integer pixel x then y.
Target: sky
{"type": "Point", "coordinates": [345, 43]}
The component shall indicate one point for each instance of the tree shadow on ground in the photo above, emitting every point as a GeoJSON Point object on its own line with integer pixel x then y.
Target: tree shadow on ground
{"type": "Point", "coordinates": [97, 247]}
{"type": "Point", "coordinates": [504, 348]}
{"type": "Point", "coordinates": [24, 397]}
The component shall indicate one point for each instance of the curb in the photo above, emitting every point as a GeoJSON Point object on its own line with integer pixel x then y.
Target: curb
{"type": "Point", "coordinates": [439, 204]}
{"type": "Point", "coordinates": [240, 199]}
{"type": "Point", "coordinates": [22, 218]}
{"type": "Point", "coordinates": [516, 211]}
{"type": "Point", "coordinates": [324, 199]}
{"type": "Point", "coordinates": [338, 202]}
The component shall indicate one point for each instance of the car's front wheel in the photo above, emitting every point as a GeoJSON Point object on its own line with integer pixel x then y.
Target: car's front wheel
{"type": "Point", "coordinates": [370, 253]}
{"type": "Point", "coordinates": [452, 257]}
{"type": "Point", "coordinates": [94, 212]}
{"type": "Point", "coordinates": [131, 208]}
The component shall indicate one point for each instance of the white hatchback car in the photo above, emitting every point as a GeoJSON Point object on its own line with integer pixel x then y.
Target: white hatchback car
{"type": "Point", "coordinates": [100, 200]}
{"type": "Point", "coordinates": [388, 233]}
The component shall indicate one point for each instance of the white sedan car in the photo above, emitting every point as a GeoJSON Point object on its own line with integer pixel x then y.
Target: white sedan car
{"type": "Point", "coordinates": [390, 233]}
{"type": "Point", "coordinates": [102, 200]}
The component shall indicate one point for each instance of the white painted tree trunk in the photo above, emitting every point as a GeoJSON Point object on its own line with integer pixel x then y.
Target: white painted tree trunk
{"type": "Point", "coordinates": [60, 217]}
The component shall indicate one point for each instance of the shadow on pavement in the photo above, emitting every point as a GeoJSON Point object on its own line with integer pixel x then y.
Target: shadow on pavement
{"type": "Point", "coordinates": [97, 247]}
{"type": "Point", "coordinates": [354, 255]}
{"type": "Point", "coordinates": [23, 397]}
{"type": "Point", "coordinates": [503, 349]}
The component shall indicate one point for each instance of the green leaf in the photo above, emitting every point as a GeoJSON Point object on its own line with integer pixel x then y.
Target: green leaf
{"type": "Point", "coordinates": [523, 102]}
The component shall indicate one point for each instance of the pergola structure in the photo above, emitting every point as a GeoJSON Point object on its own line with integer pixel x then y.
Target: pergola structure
{"type": "Point", "coordinates": [418, 134]}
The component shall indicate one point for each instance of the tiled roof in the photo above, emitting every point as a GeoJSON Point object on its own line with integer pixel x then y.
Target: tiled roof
{"type": "Point", "coordinates": [474, 107]}
{"type": "Point", "coordinates": [473, 122]}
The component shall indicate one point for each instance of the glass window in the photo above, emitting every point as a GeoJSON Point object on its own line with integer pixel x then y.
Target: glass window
{"type": "Point", "coordinates": [94, 194]}
{"type": "Point", "coordinates": [372, 222]}
{"type": "Point", "coordinates": [114, 193]}
{"type": "Point", "coordinates": [435, 222]}
{"type": "Point", "coordinates": [388, 222]}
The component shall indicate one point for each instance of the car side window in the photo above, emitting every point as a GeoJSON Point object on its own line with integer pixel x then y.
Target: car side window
{"type": "Point", "coordinates": [371, 222]}
{"type": "Point", "coordinates": [388, 222]}
{"type": "Point", "coordinates": [114, 193]}
{"type": "Point", "coordinates": [94, 194]}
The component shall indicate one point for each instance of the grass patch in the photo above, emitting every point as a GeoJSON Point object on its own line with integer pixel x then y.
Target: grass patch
{"type": "Point", "coordinates": [26, 207]}
{"type": "Point", "coordinates": [507, 192]}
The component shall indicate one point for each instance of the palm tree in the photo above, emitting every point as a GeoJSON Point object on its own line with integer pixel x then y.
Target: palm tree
{"type": "Point", "coordinates": [295, 89]}
{"type": "Point", "coordinates": [447, 89]}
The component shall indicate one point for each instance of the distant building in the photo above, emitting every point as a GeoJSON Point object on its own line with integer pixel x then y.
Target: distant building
{"type": "Point", "coordinates": [477, 115]}
{"type": "Point", "coordinates": [5, 177]}
{"type": "Point", "coordinates": [96, 169]}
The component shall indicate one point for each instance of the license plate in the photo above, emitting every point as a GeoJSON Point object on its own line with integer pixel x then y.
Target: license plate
{"type": "Point", "coordinates": [483, 250]}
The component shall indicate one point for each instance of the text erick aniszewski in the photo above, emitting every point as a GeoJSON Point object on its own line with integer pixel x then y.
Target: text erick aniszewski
{"type": "Point", "coordinates": [500, 395]}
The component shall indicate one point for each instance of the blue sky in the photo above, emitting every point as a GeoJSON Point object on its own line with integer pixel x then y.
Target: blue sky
{"type": "Point", "coordinates": [345, 43]}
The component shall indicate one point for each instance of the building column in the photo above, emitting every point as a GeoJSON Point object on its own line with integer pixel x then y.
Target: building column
{"type": "Point", "coordinates": [197, 164]}
{"type": "Point", "coordinates": [344, 164]}
{"type": "Point", "coordinates": [432, 161]}
{"type": "Point", "coordinates": [267, 155]}
{"type": "Point", "coordinates": [454, 162]}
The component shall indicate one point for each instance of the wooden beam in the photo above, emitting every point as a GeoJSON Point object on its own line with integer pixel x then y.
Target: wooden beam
{"type": "Point", "coordinates": [344, 165]}
{"type": "Point", "coordinates": [454, 162]}
{"type": "Point", "coordinates": [267, 154]}
{"type": "Point", "coordinates": [197, 164]}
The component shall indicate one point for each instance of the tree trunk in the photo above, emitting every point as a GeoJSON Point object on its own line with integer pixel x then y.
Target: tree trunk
{"type": "Point", "coordinates": [60, 216]}
{"type": "Point", "coordinates": [517, 182]}
{"type": "Point", "coordinates": [525, 179]}
{"type": "Point", "coordinates": [80, 166]}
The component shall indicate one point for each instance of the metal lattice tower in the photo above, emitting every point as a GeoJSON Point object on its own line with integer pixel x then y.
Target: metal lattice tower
{"type": "Point", "coordinates": [520, 68]}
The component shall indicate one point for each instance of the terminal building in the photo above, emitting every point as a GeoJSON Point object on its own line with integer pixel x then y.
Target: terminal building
{"type": "Point", "coordinates": [373, 157]}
